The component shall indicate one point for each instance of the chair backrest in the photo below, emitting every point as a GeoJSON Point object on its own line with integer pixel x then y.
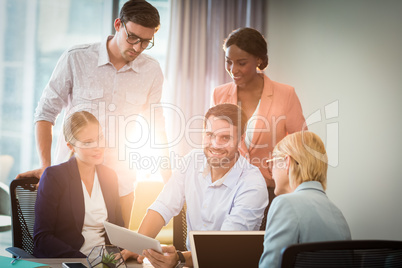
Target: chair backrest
{"type": "Point", "coordinates": [23, 197]}
{"type": "Point", "coordinates": [352, 253]}
{"type": "Point", "coordinates": [264, 218]}
{"type": "Point", "coordinates": [180, 230]}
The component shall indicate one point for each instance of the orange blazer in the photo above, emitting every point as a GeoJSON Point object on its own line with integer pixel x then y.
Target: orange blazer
{"type": "Point", "coordinates": [279, 113]}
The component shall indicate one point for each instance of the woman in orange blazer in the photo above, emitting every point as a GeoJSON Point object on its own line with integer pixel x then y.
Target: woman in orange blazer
{"type": "Point", "coordinates": [273, 109]}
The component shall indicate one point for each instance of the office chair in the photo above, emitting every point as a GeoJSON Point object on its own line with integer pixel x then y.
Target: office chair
{"type": "Point", "coordinates": [271, 193]}
{"type": "Point", "coordinates": [351, 253]}
{"type": "Point", "coordinates": [23, 196]}
{"type": "Point", "coordinates": [180, 230]}
{"type": "Point", "coordinates": [264, 219]}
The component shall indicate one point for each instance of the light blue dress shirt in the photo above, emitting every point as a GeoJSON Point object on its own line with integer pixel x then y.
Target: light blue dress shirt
{"type": "Point", "coordinates": [306, 215]}
{"type": "Point", "coordinates": [236, 202]}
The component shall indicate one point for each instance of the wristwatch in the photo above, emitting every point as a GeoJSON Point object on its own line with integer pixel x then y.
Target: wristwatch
{"type": "Point", "coordinates": [182, 260]}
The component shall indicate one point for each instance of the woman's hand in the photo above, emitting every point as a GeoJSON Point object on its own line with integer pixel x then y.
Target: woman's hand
{"type": "Point", "coordinates": [167, 260]}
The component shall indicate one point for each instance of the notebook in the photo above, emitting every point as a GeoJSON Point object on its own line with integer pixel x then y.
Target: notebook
{"type": "Point", "coordinates": [210, 249]}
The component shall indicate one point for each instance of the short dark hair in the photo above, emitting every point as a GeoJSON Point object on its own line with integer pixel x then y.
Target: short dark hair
{"type": "Point", "coordinates": [232, 113]}
{"type": "Point", "coordinates": [140, 12]}
{"type": "Point", "coordinates": [251, 41]}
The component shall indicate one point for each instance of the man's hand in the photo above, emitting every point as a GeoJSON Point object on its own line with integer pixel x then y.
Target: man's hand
{"type": "Point", "coordinates": [37, 173]}
{"type": "Point", "coordinates": [167, 260]}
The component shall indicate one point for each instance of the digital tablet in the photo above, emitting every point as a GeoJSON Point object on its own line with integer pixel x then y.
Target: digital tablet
{"type": "Point", "coordinates": [130, 240]}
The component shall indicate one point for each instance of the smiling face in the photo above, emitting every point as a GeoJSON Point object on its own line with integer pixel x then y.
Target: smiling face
{"type": "Point", "coordinates": [220, 142]}
{"type": "Point", "coordinates": [88, 145]}
{"type": "Point", "coordinates": [128, 51]}
{"type": "Point", "coordinates": [241, 65]}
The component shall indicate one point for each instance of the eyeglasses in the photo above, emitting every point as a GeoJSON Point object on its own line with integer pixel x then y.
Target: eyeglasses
{"type": "Point", "coordinates": [270, 162]}
{"type": "Point", "coordinates": [132, 39]}
{"type": "Point", "coordinates": [100, 142]}
{"type": "Point", "coordinates": [275, 158]}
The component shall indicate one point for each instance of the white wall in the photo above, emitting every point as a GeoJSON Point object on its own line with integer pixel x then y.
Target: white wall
{"type": "Point", "coordinates": [349, 51]}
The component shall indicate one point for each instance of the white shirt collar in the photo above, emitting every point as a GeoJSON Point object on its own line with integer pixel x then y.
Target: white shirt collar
{"type": "Point", "coordinates": [207, 171]}
{"type": "Point", "coordinates": [231, 177]}
{"type": "Point", "coordinates": [105, 59]}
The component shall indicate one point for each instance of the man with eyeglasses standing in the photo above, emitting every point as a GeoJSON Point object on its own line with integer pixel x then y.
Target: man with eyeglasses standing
{"type": "Point", "coordinates": [118, 84]}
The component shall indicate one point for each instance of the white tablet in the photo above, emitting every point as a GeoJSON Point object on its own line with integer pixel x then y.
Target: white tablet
{"type": "Point", "coordinates": [130, 240]}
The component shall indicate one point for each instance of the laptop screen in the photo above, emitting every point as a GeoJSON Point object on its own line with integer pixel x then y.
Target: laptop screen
{"type": "Point", "coordinates": [210, 249]}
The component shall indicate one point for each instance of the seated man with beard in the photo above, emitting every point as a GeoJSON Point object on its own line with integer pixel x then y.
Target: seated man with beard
{"type": "Point", "coordinates": [221, 189]}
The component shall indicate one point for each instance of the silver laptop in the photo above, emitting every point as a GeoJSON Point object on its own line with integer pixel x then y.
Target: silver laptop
{"type": "Point", "coordinates": [210, 249]}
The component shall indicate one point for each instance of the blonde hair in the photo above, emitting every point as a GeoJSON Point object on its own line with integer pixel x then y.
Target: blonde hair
{"type": "Point", "coordinates": [75, 123]}
{"type": "Point", "coordinates": [308, 157]}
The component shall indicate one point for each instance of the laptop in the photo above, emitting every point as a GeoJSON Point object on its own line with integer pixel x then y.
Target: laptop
{"type": "Point", "coordinates": [210, 249]}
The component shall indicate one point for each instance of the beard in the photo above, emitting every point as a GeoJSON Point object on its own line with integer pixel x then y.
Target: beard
{"type": "Point", "coordinates": [220, 158]}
